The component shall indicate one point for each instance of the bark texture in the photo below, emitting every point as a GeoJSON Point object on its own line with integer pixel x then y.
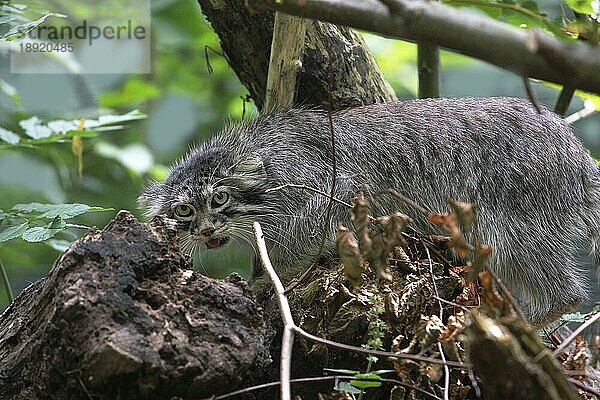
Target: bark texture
{"type": "Point", "coordinates": [529, 53]}
{"type": "Point", "coordinates": [121, 315]}
{"type": "Point", "coordinates": [335, 60]}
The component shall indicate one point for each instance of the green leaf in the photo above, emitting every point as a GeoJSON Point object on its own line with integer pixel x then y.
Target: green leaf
{"type": "Point", "coordinates": [159, 173]}
{"type": "Point", "coordinates": [592, 98]}
{"type": "Point", "coordinates": [59, 245]}
{"type": "Point", "coordinates": [62, 126]}
{"type": "Point", "coordinates": [34, 129]}
{"type": "Point", "coordinates": [15, 7]}
{"type": "Point", "coordinates": [100, 209]}
{"type": "Point", "coordinates": [574, 317]}
{"type": "Point", "coordinates": [61, 130]}
{"type": "Point", "coordinates": [113, 119]}
{"type": "Point", "coordinates": [5, 19]}
{"type": "Point", "coordinates": [346, 387]}
{"type": "Point", "coordinates": [64, 211]}
{"type": "Point", "coordinates": [39, 234]}
{"type": "Point", "coordinates": [21, 30]}
{"type": "Point", "coordinates": [13, 232]}
{"type": "Point", "coordinates": [579, 317]}
{"type": "Point", "coordinates": [11, 92]}
{"type": "Point", "coordinates": [581, 6]}
{"type": "Point", "coordinates": [520, 19]}
{"type": "Point", "coordinates": [135, 157]}
{"type": "Point", "coordinates": [60, 137]}
{"type": "Point", "coordinates": [491, 11]}
{"type": "Point", "coordinates": [368, 375]}
{"type": "Point", "coordinates": [365, 384]}
{"type": "Point", "coordinates": [134, 91]}
{"type": "Point", "coordinates": [8, 136]}
{"type": "Point", "coordinates": [56, 223]}
{"type": "Point", "coordinates": [530, 5]}
{"type": "Point", "coordinates": [372, 359]}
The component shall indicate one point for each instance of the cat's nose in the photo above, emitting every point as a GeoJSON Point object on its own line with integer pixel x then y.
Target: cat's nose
{"type": "Point", "coordinates": [207, 232]}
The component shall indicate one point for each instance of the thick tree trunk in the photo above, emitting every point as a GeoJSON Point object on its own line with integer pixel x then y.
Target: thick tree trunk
{"type": "Point", "coordinates": [121, 315]}
{"type": "Point", "coordinates": [335, 62]}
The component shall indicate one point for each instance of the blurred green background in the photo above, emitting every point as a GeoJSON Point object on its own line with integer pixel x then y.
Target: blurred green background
{"type": "Point", "coordinates": [184, 104]}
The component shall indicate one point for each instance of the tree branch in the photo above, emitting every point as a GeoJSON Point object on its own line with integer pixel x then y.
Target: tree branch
{"type": "Point", "coordinates": [285, 62]}
{"type": "Point", "coordinates": [527, 53]}
{"type": "Point", "coordinates": [574, 334]}
{"type": "Point", "coordinates": [428, 64]}
{"type": "Point", "coordinates": [562, 104]}
{"type": "Point", "coordinates": [287, 342]}
{"type": "Point", "coordinates": [246, 42]}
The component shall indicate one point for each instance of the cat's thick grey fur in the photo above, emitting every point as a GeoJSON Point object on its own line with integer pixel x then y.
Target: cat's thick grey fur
{"type": "Point", "coordinates": [536, 189]}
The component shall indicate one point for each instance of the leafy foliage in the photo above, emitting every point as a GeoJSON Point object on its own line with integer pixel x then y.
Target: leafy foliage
{"type": "Point", "coordinates": [22, 29]}
{"type": "Point", "coordinates": [62, 130]}
{"type": "Point", "coordinates": [579, 317]}
{"type": "Point", "coordinates": [527, 14]}
{"type": "Point", "coordinates": [359, 381]}
{"type": "Point", "coordinates": [42, 147]}
{"type": "Point", "coordinates": [581, 6]}
{"type": "Point", "coordinates": [36, 222]}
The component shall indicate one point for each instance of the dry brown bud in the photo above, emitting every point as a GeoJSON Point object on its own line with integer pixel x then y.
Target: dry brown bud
{"type": "Point", "coordinates": [482, 255]}
{"type": "Point", "coordinates": [393, 225]}
{"type": "Point", "coordinates": [349, 253]}
{"type": "Point", "coordinates": [465, 213]}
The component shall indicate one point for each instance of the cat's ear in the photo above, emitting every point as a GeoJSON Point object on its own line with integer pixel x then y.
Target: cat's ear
{"type": "Point", "coordinates": [250, 166]}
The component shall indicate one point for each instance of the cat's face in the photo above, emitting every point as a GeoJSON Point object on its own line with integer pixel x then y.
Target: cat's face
{"type": "Point", "coordinates": [214, 196]}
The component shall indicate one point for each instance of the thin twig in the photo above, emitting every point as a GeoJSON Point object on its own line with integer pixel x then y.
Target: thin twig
{"type": "Point", "coordinates": [209, 67]}
{"type": "Point", "coordinates": [577, 373]}
{"type": "Point", "coordinates": [287, 341]}
{"type": "Point", "coordinates": [584, 387]}
{"type": "Point", "coordinates": [474, 383]}
{"type": "Point", "coordinates": [323, 378]}
{"type": "Point", "coordinates": [77, 226]}
{"type": "Point", "coordinates": [310, 189]}
{"type": "Point", "coordinates": [576, 332]}
{"type": "Point", "coordinates": [507, 294]}
{"type": "Point", "coordinates": [290, 327]}
{"type": "Point", "coordinates": [531, 95]}
{"type": "Point", "coordinates": [6, 282]}
{"type": "Point", "coordinates": [408, 201]}
{"type": "Point", "coordinates": [451, 303]}
{"type": "Point", "coordinates": [282, 299]}
{"type": "Point", "coordinates": [87, 393]}
{"type": "Point", "coordinates": [379, 353]}
{"type": "Point", "coordinates": [315, 190]}
{"type": "Point", "coordinates": [428, 67]}
{"type": "Point", "coordinates": [441, 315]}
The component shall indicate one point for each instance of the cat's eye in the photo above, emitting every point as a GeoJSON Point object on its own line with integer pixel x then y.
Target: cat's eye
{"type": "Point", "coordinates": [219, 199]}
{"type": "Point", "coordinates": [184, 211]}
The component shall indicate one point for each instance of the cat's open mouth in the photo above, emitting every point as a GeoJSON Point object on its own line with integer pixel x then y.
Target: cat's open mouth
{"type": "Point", "coordinates": [216, 242]}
